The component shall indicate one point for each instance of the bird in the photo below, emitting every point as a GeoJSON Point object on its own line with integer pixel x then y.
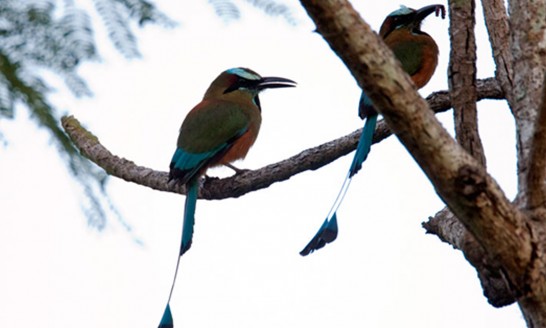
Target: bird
{"type": "Point", "coordinates": [217, 131]}
{"type": "Point", "coordinates": [417, 52]}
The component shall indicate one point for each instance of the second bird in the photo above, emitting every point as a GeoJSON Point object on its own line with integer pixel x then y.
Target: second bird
{"type": "Point", "coordinates": [218, 131]}
{"type": "Point", "coordinates": [418, 54]}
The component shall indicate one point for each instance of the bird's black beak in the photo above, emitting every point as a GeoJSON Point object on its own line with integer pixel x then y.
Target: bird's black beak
{"type": "Point", "coordinates": [275, 82]}
{"type": "Point", "coordinates": [425, 11]}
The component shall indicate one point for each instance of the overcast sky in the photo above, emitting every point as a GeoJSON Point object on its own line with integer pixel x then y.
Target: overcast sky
{"type": "Point", "coordinates": [243, 269]}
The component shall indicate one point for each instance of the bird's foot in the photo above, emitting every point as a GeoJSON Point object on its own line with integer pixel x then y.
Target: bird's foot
{"type": "Point", "coordinates": [237, 170]}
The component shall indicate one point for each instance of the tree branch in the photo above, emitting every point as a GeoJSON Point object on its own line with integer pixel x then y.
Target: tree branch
{"type": "Point", "coordinates": [498, 29]}
{"type": "Point", "coordinates": [462, 85]}
{"type": "Point", "coordinates": [473, 195]}
{"type": "Point", "coordinates": [462, 77]}
{"type": "Point", "coordinates": [537, 170]}
{"type": "Point", "coordinates": [527, 32]}
{"type": "Point", "coordinates": [240, 184]}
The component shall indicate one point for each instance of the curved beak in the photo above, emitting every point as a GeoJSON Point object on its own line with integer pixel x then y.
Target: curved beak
{"type": "Point", "coordinates": [425, 11]}
{"type": "Point", "coordinates": [275, 82]}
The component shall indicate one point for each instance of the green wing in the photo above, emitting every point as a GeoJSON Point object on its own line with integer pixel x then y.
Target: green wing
{"type": "Point", "coordinates": [211, 125]}
{"type": "Point", "coordinates": [409, 54]}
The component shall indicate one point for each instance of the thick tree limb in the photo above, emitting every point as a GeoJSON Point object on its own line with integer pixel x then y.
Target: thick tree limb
{"type": "Point", "coordinates": [240, 184]}
{"type": "Point", "coordinates": [537, 171]}
{"type": "Point", "coordinates": [528, 35]}
{"type": "Point", "coordinates": [462, 87]}
{"type": "Point", "coordinates": [472, 195]}
{"type": "Point", "coordinates": [462, 77]}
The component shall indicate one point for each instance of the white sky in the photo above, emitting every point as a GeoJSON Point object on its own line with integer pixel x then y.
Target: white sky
{"type": "Point", "coordinates": [243, 269]}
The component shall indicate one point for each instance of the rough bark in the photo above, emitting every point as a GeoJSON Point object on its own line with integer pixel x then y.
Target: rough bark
{"type": "Point", "coordinates": [528, 36]}
{"type": "Point", "coordinates": [462, 87]}
{"type": "Point", "coordinates": [498, 28]}
{"type": "Point", "coordinates": [450, 230]}
{"type": "Point", "coordinates": [537, 171]}
{"type": "Point", "coordinates": [462, 77]}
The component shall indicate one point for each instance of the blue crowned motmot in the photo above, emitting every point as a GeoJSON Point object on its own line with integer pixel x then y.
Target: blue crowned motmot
{"type": "Point", "coordinates": [219, 130]}
{"type": "Point", "coordinates": [418, 54]}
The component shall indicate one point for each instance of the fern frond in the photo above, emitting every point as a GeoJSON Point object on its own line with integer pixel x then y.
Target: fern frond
{"type": "Point", "coordinates": [226, 10]}
{"type": "Point", "coordinates": [117, 24]}
{"type": "Point", "coordinates": [272, 8]}
{"type": "Point", "coordinates": [146, 12]}
{"type": "Point", "coordinates": [6, 99]}
{"type": "Point", "coordinates": [90, 178]}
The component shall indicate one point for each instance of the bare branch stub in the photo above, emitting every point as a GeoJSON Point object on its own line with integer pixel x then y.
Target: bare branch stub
{"type": "Point", "coordinates": [450, 230]}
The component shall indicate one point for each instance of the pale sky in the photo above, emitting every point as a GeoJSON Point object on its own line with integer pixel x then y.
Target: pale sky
{"type": "Point", "coordinates": [244, 267]}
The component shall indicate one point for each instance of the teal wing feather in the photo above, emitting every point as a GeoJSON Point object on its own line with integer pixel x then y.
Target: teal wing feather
{"type": "Point", "coordinates": [185, 165]}
{"type": "Point", "coordinates": [207, 132]}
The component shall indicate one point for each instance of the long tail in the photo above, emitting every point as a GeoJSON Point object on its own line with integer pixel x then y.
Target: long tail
{"type": "Point", "coordinates": [185, 244]}
{"type": "Point", "coordinates": [327, 233]}
{"type": "Point", "coordinates": [364, 145]}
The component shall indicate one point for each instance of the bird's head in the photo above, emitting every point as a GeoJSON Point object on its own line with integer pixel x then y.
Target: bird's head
{"type": "Point", "coordinates": [244, 82]}
{"type": "Point", "coordinates": [408, 18]}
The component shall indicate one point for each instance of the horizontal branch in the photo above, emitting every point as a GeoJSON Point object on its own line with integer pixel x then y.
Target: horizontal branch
{"type": "Point", "coordinates": [247, 181]}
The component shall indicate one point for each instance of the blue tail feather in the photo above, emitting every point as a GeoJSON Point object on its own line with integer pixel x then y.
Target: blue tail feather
{"type": "Point", "coordinates": [189, 215]}
{"type": "Point", "coordinates": [192, 189]}
{"type": "Point", "coordinates": [167, 319]}
{"type": "Point", "coordinates": [326, 234]}
{"type": "Point", "coordinates": [364, 144]}
{"type": "Point", "coordinates": [328, 231]}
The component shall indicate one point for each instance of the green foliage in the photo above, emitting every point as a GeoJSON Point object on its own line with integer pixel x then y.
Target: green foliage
{"type": "Point", "coordinates": [117, 15]}
{"type": "Point", "coordinates": [229, 11]}
{"type": "Point", "coordinates": [49, 35]}
{"type": "Point", "coordinates": [57, 36]}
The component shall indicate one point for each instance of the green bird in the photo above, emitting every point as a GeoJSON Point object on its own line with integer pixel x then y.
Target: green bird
{"type": "Point", "coordinates": [218, 131]}
{"type": "Point", "coordinates": [418, 54]}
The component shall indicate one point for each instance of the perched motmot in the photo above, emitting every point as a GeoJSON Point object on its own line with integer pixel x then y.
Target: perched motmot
{"type": "Point", "coordinates": [219, 130]}
{"type": "Point", "coordinates": [418, 54]}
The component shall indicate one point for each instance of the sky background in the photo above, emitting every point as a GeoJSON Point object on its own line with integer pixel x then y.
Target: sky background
{"type": "Point", "coordinates": [244, 267]}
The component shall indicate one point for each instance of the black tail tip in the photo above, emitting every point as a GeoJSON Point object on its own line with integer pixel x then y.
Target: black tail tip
{"type": "Point", "coordinates": [184, 248]}
{"type": "Point", "coordinates": [167, 319]}
{"type": "Point", "coordinates": [319, 241]}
